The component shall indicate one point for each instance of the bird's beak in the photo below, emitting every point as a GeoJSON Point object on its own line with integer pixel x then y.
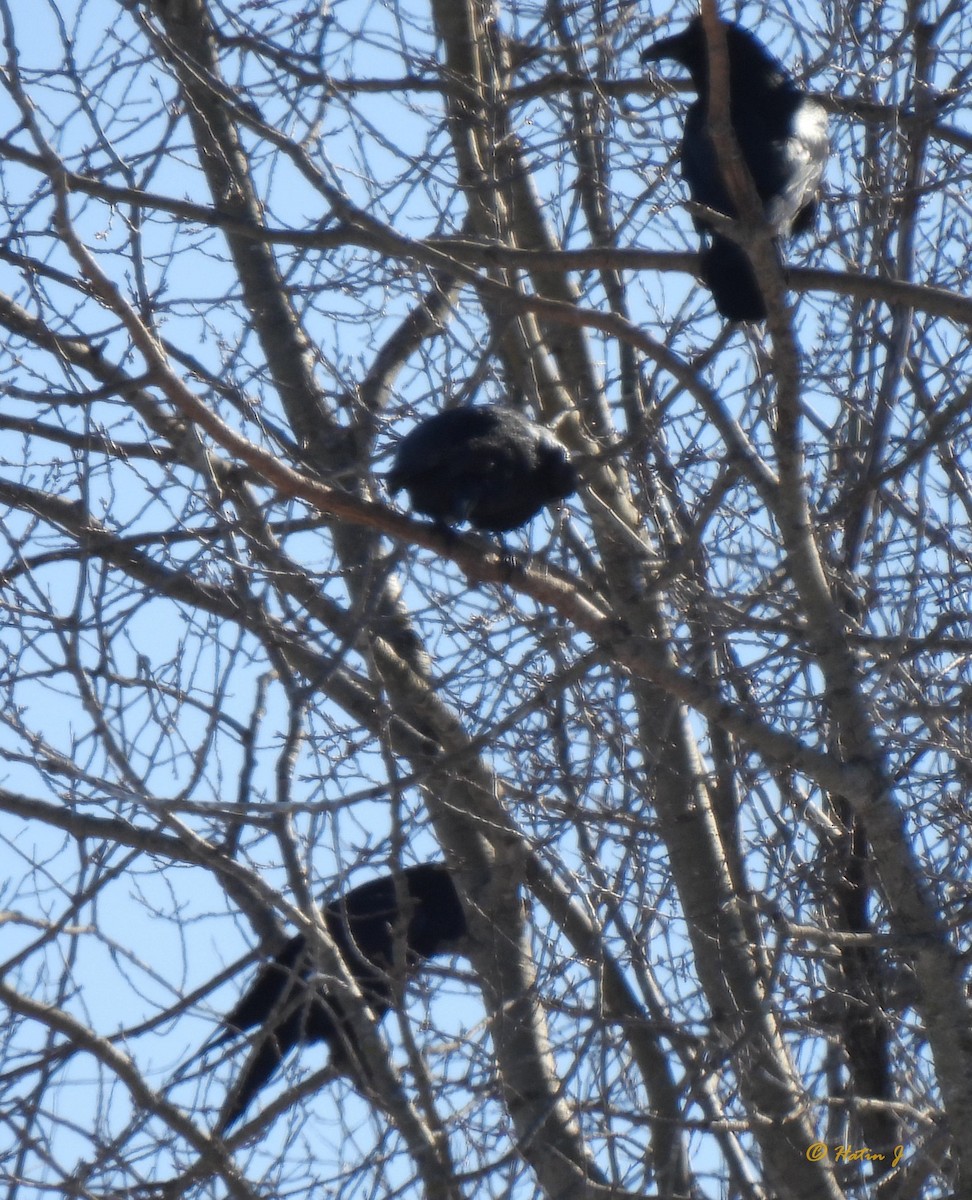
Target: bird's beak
{"type": "Point", "coordinates": [659, 50]}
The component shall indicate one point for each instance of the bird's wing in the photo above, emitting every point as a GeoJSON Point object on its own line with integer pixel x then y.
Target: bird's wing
{"type": "Point", "coordinates": [804, 155]}
{"type": "Point", "coordinates": [432, 446]}
{"type": "Point", "coordinates": [784, 152]}
{"type": "Point", "coordinates": [699, 164]}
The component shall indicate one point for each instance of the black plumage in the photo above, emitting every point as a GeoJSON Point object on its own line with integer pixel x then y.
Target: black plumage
{"type": "Point", "coordinates": [292, 1004]}
{"type": "Point", "coordinates": [487, 465]}
{"type": "Point", "coordinates": [782, 136]}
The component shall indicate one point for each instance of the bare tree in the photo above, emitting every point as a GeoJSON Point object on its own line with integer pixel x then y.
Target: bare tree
{"type": "Point", "coordinates": [698, 755]}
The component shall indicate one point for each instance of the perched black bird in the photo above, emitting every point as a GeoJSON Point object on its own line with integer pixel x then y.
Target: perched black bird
{"type": "Point", "coordinates": [782, 136]}
{"type": "Point", "coordinates": [487, 465]}
{"type": "Point", "coordinates": [293, 1006]}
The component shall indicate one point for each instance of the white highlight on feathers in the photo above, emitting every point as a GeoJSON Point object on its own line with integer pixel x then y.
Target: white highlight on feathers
{"type": "Point", "coordinates": [807, 148]}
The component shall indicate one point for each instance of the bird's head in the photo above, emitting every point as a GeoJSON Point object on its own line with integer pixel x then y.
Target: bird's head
{"type": "Point", "coordinates": [559, 473]}
{"type": "Point", "coordinates": [746, 54]}
{"type": "Point", "coordinates": [687, 48]}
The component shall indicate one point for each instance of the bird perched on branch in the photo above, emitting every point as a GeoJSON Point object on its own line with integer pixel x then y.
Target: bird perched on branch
{"type": "Point", "coordinates": [782, 136]}
{"type": "Point", "coordinates": [289, 998]}
{"type": "Point", "coordinates": [487, 465]}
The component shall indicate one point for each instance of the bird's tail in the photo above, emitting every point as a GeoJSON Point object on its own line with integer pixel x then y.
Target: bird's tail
{"type": "Point", "coordinates": [728, 274]}
{"type": "Point", "coordinates": [265, 1060]}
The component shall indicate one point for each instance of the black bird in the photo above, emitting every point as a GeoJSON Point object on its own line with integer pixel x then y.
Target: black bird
{"type": "Point", "coordinates": [782, 136]}
{"type": "Point", "coordinates": [292, 1003]}
{"type": "Point", "coordinates": [487, 465]}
